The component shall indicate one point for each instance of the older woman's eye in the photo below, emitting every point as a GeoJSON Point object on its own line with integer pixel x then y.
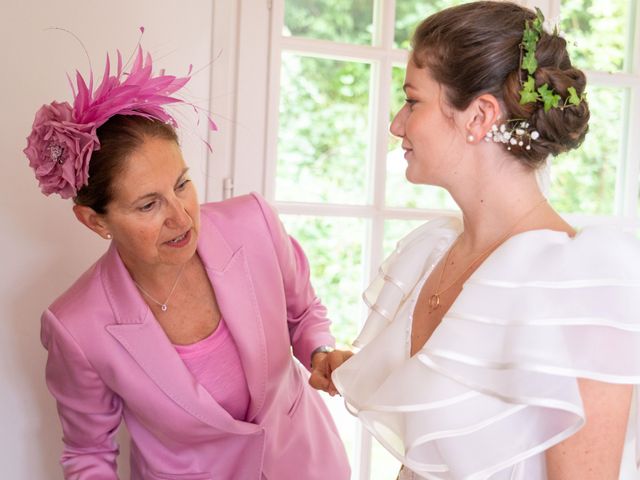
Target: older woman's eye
{"type": "Point", "coordinates": [147, 206]}
{"type": "Point", "coordinates": [183, 184]}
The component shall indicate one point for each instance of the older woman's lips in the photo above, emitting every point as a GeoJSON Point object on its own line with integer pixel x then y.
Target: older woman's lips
{"type": "Point", "coordinates": [180, 241]}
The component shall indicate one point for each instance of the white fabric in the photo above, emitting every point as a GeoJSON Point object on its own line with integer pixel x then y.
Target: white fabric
{"type": "Point", "coordinates": [496, 384]}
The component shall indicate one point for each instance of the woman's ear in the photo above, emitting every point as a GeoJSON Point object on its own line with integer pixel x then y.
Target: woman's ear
{"type": "Point", "coordinates": [92, 220]}
{"type": "Point", "coordinates": [483, 112]}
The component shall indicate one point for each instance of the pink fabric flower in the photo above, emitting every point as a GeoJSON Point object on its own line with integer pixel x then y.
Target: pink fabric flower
{"type": "Point", "coordinates": [59, 150]}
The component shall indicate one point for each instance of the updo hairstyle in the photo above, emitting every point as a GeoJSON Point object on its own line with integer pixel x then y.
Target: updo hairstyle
{"type": "Point", "coordinates": [474, 49]}
{"type": "Point", "coordinates": [119, 137]}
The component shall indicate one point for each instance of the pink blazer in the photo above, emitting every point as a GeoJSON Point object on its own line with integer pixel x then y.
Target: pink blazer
{"type": "Point", "coordinates": [109, 359]}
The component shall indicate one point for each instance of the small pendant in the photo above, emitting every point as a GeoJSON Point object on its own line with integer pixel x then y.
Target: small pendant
{"type": "Point", "coordinates": [434, 301]}
{"type": "Point", "coordinates": [163, 307]}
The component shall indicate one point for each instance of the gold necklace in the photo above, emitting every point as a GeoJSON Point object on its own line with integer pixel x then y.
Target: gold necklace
{"type": "Point", "coordinates": [163, 305]}
{"type": "Point", "coordinates": [434, 299]}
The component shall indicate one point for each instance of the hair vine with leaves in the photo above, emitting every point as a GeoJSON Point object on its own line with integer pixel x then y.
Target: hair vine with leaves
{"type": "Point", "coordinates": [533, 31]}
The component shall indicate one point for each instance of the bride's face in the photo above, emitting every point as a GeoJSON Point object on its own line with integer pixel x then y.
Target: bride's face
{"type": "Point", "coordinates": [427, 128]}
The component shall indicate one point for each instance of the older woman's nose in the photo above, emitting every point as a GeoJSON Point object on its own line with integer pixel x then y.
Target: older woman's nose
{"type": "Point", "coordinates": [178, 216]}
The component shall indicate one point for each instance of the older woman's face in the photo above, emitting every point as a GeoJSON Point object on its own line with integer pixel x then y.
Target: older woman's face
{"type": "Point", "coordinates": [154, 217]}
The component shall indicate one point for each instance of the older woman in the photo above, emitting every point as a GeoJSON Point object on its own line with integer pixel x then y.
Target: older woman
{"type": "Point", "coordinates": [184, 327]}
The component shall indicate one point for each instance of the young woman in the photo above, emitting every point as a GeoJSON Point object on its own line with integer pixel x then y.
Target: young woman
{"type": "Point", "coordinates": [503, 346]}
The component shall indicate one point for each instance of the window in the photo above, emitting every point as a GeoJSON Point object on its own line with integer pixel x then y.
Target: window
{"type": "Point", "coordinates": [335, 70]}
{"type": "Point", "coordinates": [600, 179]}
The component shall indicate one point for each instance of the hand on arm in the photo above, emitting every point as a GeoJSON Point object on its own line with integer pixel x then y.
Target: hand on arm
{"type": "Point", "coordinates": [322, 366]}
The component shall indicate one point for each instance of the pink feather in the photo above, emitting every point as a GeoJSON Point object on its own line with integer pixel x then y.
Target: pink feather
{"type": "Point", "coordinates": [133, 92]}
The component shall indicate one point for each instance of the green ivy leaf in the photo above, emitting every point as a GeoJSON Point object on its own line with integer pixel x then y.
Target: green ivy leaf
{"type": "Point", "coordinates": [528, 93]}
{"type": "Point", "coordinates": [549, 97]}
{"type": "Point", "coordinates": [528, 97]}
{"type": "Point", "coordinates": [539, 21]}
{"type": "Point", "coordinates": [529, 62]}
{"type": "Point", "coordinates": [529, 38]}
{"type": "Point", "coordinates": [573, 99]}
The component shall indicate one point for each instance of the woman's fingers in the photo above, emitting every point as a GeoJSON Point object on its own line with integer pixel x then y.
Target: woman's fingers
{"type": "Point", "coordinates": [319, 380]}
{"type": "Point", "coordinates": [323, 365]}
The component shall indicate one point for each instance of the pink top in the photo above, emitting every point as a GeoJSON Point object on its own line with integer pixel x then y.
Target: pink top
{"type": "Point", "coordinates": [215, 363]}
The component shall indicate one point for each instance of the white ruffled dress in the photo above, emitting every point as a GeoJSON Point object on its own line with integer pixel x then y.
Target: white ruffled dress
{"type": "Point", "coordinates": [496, 384]}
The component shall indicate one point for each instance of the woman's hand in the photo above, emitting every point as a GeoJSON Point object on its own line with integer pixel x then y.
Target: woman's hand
{"type": "Point", "coordinates": [322, 366]}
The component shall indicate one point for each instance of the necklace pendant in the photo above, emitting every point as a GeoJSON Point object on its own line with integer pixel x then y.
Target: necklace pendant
{"type": "Point", "coordinates": [434, 301]}
{"type": "Point", "coordinates": [163, 307]}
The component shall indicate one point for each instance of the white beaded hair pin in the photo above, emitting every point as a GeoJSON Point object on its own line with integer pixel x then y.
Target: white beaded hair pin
{"type": "Point", "coordinates": [513, 133]}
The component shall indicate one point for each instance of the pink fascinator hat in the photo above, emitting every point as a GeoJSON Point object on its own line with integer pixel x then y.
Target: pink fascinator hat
{"type": "Point", "coordinates": [63, 137]}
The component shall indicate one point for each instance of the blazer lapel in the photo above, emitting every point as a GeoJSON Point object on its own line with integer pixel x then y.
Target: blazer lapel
{"type": "Point", "coordinates": [230, 276]}
{"type": "Point", "coordinates": [137, 330]}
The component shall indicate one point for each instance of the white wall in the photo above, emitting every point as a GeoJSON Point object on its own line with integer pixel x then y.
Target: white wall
{"type": "Point", "coordinates": [42, 247]}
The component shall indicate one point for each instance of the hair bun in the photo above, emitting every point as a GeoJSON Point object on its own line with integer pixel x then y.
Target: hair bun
{"type": "Point", "coordinates": [561, 129]}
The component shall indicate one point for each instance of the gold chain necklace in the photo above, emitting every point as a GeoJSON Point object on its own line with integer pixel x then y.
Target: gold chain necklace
{"type": "Point", "coordinates": [163, 305]}
{"type": "Point", "coordinates": [434, 300]}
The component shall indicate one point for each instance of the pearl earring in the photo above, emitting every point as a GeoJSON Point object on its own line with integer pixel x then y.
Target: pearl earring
{"type": "Point", "coordinates": [471, 138]}
{"type": "Point", "coordinates": [109, 237]}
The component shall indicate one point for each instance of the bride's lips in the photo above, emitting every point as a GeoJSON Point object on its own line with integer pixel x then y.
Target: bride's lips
{"type": "Point", "coordinates": [179, 241]}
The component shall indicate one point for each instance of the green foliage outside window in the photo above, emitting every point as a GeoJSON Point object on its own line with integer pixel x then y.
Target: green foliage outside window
{"type": "Point", "coordinates": [334, 248]}
{"type": "Point", "coordinates": [323, 136]}
{"type": "Point", "coordinates": [584, 180]}
{"type": "Point", "coordinates": [334, 20]}
{"type": "Point", "coordinates": [597, 33]}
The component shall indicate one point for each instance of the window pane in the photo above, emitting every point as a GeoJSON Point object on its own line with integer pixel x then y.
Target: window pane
{"type": "Point", "coordinates": [336, 20]}
{"type": "Point", "coordinates": [409, 13]}
{"type": "Point", "coordinates": [324, 130]}
{"type": "Point", "coordinates": [596, 32]}
{"type": "Point", "coordinates": [584, 180]}
{"type": "Point", "coordinates": [334, 247]}
{"type": "Point", "coordinates": [399, 192]}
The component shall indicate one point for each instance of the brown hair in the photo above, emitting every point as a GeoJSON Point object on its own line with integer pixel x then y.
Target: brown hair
{"type": "Point", "coordinates": [119, 137]}
{"type": "Point", "coordinates": [474, 49]}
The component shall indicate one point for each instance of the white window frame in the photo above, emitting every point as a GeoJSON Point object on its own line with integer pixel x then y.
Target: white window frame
{"type": "Point", "coordinates": [245, 153]}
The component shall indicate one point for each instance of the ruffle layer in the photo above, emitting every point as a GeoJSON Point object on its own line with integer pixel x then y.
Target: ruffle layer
{"type": "Point", "coordinates": [501, 369]}
{"type": "Point", "coordinates": [399, 273]}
